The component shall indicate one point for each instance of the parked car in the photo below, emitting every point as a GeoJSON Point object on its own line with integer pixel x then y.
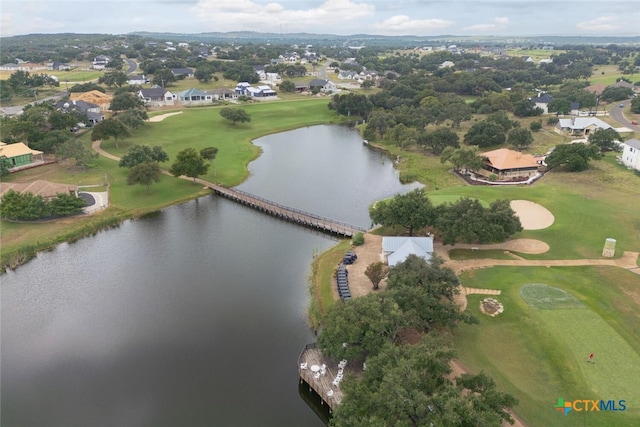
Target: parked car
{"type": "Point", "coordinates": [634, 122]}
{"type": "Point", "coordinates": [621, 105]}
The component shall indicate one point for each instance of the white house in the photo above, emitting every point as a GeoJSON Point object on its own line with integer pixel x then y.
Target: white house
{"type": "Point", "coordinates": [631, 154]}
{"type": "Point", "coordinates": [157, 96]}
{"type": "Point", "coordinates": [396, 249]}
{"type": "Point", "coordinates": [582, 126]}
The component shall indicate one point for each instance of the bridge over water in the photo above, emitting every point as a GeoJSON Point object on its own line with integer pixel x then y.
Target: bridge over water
{"type": "Point", "coordinates": [286, 213]}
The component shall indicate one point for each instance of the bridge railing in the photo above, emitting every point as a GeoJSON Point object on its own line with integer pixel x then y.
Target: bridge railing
{"type": "Point", "coordinates": [294, 210]}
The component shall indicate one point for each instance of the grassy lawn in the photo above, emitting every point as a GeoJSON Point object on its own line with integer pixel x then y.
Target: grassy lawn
{"type": "Point", "coordinates": [540, 355]}
{"type": "Point", "coordinates": [463, 254]}
{"type": "Point", "coordinates": [607, 74]}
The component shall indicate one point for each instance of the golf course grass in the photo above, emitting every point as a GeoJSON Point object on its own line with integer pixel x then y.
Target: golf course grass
{"type": "Point", "coordinates": [537, 349]}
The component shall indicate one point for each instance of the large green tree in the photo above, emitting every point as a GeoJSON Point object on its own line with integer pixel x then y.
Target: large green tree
{"type": "Point", "coordinates": [76, 150]}
{"type": "Point", "coordinates": [411, 210]}
{"type": "Point", "coordinates": [126, 101]}
{"type": "Point", "coordinates": [411, 386]}
{"type": "Point", "coordinates": [572, 157]}
{"type": "Point", "coordinates": [463, 158]}
{"type": "Point", "coordinates": [519, 138]}
{"type": "Point", "coordinates": [439, 139]}
{"type": "Point", "coordinates": [361, 328]}
{"type": "Point", "coordinates": [144, 174]}
{"type": "Point", "coordinates": [110, 128]}
{"type": "Point", "coordinates": [138, 154]}
{"type": "Point", "coordinates": [425, 292]}
{"type": "Point", "coordinates": [235, 115]}
{"type": "Point", "coordinates": [486, 133]}
{"type": "Point", "coordinates": [189, 162]}
{"type": "Point", "coordinates": [605, 139]}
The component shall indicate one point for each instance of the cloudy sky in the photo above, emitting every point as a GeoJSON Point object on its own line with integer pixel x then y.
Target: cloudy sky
{"type": "Point", "coordinates": [343, 17]}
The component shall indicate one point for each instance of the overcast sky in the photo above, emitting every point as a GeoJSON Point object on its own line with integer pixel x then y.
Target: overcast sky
{"type": "Point", "coordinates": [343, 17]}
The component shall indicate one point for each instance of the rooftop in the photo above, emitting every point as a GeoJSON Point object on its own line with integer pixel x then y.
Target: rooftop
{"type": "Point", "coordinates": [503, 158]}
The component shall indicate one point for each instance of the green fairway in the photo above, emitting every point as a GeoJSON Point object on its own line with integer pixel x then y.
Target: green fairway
{"type": "Point", "coordinates": [540, 355]}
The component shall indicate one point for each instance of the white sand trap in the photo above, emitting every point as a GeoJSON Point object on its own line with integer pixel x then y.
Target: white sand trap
{"type": "Point", "coordinates": [161, 117]}
{"type": "Point", "coordinates": [532, 215]}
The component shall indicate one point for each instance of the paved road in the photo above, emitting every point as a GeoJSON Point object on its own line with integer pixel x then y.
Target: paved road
{"type": "Point", "coordinates": [617, 114]}
{"type": "Point", "coordinates": [133, 66]}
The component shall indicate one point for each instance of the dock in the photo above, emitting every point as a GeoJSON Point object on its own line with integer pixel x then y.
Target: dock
{"type": "Point", "coordinates": [327, 384]}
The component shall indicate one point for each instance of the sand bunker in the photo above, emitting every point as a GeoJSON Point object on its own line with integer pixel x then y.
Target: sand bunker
{"type": "Point", "coordinates": [161, 117]}
{"type": "Point", "coordinates": [532, 215]}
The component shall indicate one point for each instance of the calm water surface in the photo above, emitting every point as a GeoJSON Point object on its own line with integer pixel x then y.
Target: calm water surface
{"type": "Point", "coordinates": [193, 316]}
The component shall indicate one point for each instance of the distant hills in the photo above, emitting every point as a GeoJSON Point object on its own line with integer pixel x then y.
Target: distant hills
{"type": "Point", "coordinates": [379, 40]}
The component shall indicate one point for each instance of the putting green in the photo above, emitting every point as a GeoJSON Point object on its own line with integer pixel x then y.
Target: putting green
{"type": "Point", "coordinates": [616, 370]}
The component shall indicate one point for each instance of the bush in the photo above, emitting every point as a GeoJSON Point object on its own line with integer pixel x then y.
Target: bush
{"type": "Point", "coordinates": [535, 126]}
{"type": "Point", "coordinates": [358, 239]}
{"type": "Point", "coordinates": [552, 121]}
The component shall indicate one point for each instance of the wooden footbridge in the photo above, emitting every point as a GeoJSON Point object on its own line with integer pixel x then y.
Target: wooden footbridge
{"type": "Point", "coordinates": [284, 212]}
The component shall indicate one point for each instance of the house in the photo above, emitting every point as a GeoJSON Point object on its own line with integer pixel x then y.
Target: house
{"type": "Point", "coordinates": [446, 64]}
{"type": "Point", "coordinates": [526, 58]}
{"type": "Point", "coordinates": [574, 108]}
{"type": "Point", "coordinates": [325, 85]}
{"type": "Point", "coordinates": [242, 88]}
{"type": "Point", "coordinates": [194, 97]}
{"type": "Point", "coordinates": [581, 126]}
{"type": "Point", "coordinates": [222, 93]}
{"type": "Point", "coordinates": [18, 155]}
{"type": "Point", "coordinates": [44, 189]}
{"type": "Point", "coordinates": [137, 79]}
{"type": "Point", "coordinates": [396, 249]}
{"type": "Point", "coordinates": [545, 61]}
{"type": "Point", "coordinates": [91, 110]}
{"type": "Point", "coordinates": [348, 75]}
{"type": "Point", "coordinates": [93, 97]}
{"type": "Point", "coordinates": [100, 62]}
{"type": "Point", "coordinates": [542, 101]}
{"type": "Point", "coordinates": [260, 71]}
{"type": "Point", "coordinates": [157, 96]}
{"type": "Point", "coordinates": [507, 164]}
{"type": "Point", "coordinates": [59, 66]}
{"type": "Point", "coordinates": [261, 92]}
{"type": "Point", "coordinates": [182, 72]}
{"type": "Point", "coordinates": [631, 154]}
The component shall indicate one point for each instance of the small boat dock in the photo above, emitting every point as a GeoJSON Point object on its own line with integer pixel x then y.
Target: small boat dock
{"type": "Point", "coordinates": [323, 375]}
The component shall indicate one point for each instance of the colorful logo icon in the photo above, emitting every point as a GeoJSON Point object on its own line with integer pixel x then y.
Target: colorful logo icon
{"type": "Point", "coordinates": [563, 406]}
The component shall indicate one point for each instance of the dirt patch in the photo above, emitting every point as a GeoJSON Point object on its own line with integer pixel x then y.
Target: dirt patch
{"type": "Point", "coordinates": [368, 253]}
{"type": "Point", "coordinates": [161, 117]}
{"type": "Point", "coordinates": [532, 215]}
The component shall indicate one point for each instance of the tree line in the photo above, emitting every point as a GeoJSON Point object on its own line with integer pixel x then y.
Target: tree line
{"type": "Point", "coordinates": [464, 220]}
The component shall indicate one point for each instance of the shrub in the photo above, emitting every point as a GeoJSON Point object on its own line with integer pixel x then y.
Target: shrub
{"type": "Point", "coordinates": [358, 239]}
{"type": "Point", "coordinates": [535, 126]}
{"type": "Point", "coordinates": [551, 121]}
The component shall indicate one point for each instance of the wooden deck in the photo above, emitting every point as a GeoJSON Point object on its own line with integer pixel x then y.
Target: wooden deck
{"type": "Point", "coordinates": [284, 212]}
{"type": "Point", "coordinates": [323, 385]}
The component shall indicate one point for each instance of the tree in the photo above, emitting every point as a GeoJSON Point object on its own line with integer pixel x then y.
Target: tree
{"type": "Point", "coordinates": [519, 138]}
{"type": "Point", "coordinates": [604, 139]}
{"type": "Point", "coordinates": [288, 86]}
{"type": "Point", "coordinates": [439, 139]}
{"type": "Point", "coordinates": [133, 118]}
{"type": "Point", "coordinates": [113, 78]}
{"type": "Point", "coordinates": [125, 101]}
{"type": "Point", "coordinates": [410, 385]}
{"type": "Point", "coordinates": [367, 84]}
{"type": "Point", "coordinates": [525, 108]}
{"type": "Point", "coordinates": [65, 204]}
{"type": "Point", "coordinates": [573, 157]}
{"type": "Point", "coordinates": [76, 150]}
{"type": "Point", "coordinates": [109, 128]}
{"type": "Point", "coordinates": [188, 162]}
{"type": "Point", "coordinates": [235, 115]}
{"type": "Point", "coordinates": [486, 133]}
{"type": "Point", "coordinates": [351, 104]}
{"type": "Point", "coordinates": [411, 210]}
{"type": "Point", "coordinates": [361, 328]}
{"type": "Point", "coordinates": [535, 126]}
{"type": "Point", "coordinates": [463, 158]}
{"type": "Point", "coordinates": [376, 272]}
{"type": "Point", "coordinates": [210, 153]}
{"type": "Point", "coordinates": [635, 104]}
{"type": "Point", "coordinates": [139, 154]}
{"type": "Point", "coordinates": [425, 292]}
{"type": "Point", "coordinates": [164, 77]}
{"type": "Point", "coordinates": [144, 174]}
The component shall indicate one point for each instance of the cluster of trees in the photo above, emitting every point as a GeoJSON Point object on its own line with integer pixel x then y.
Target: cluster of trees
{"type": "Point", "coordinates": [23, 83]}
{"type": "Point", "coordinates": [465, 220]}
{"type": "Point", "coordinates": [28, 207]}
{"type": "Point", "coordinates": [573, 157]}
{"type": "Point", "coordinates": [408, 384]}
